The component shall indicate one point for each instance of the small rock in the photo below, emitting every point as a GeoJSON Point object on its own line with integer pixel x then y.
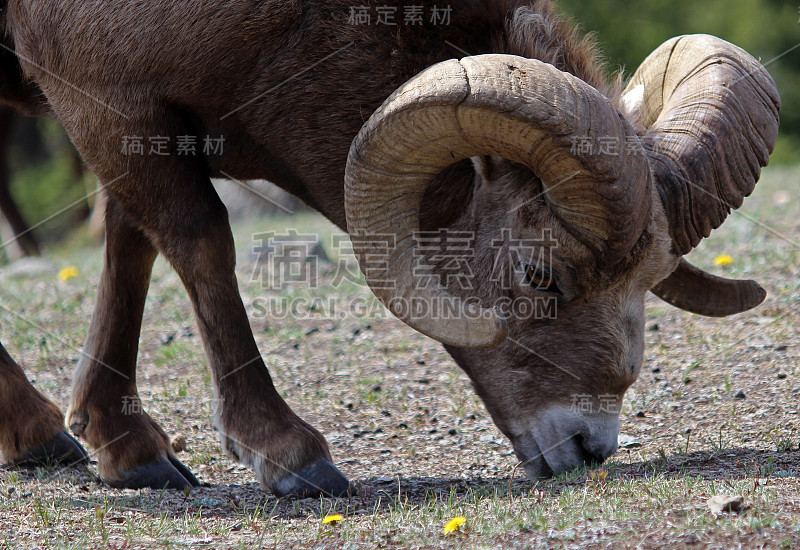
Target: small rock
{"type": "Point", "coordinates": [208, 502]}
{"type": "Point", "coordinates": [29, 267]}
{"type": "Point", "coordinates": [740, 395]}
{"type": "Point", "coordinates": [655, 370]}
{"type": "Point", "coordinates": [376, 388]}
{"type": "Point", "coordinates": [781, 375]}
{"type": "Point", "coordinates": [640, 414]}
{"type": "Point", "coordinates": [781, 347]}
{"type": "Point", "coordinates": [452, 431]}
{"type": "Point", "coordinates": [179, 443]}
{"type": "Point", "coordinates": [691, 538]}
{"type": "Point", "coordinates": [725, 503]}
{"type": "Point", "coordinates": [628, 441]}
{"type": "Point", "coordinates": [654, 327]}
{"type": "Point", "coordinates": [420, 362]}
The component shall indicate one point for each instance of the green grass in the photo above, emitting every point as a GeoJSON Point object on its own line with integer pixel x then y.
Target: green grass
{"type": "Point", "coordinates": [426, 450]}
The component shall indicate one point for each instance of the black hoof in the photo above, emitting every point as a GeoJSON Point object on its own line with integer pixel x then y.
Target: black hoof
{"type": "Point", "coordinates": [167, 473]}
{"type": "Point", "coordinates": [61, 450]}
{"type": "Point", "coordinates": [184, 471]}
{"type": "Point", "coordinates": [321, 478]}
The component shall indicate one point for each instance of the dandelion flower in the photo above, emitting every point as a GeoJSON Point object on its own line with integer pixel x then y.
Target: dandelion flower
{"type": "Point", "coordinates": [454, 524]}
{"type": "Point", "coordinates": [333, 519]}
{"type": "Point", "coordinates": [723, 259]}
{"type": "Point", "coordinates": [68, 273]}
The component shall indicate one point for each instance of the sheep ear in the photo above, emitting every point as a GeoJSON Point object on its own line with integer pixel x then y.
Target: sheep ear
{"type": "Point", "coordinates": [696, 291]}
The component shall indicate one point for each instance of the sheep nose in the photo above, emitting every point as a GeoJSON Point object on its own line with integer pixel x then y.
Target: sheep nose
{"type": "Point", "coordinates": [566, 439]}
{"type": "Point", "coordinates": [598, 449]}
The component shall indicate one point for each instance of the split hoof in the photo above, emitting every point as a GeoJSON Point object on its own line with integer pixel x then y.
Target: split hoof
{"type": "Point", "coordinates": [167, 473]}
{"type": "Point", "coordinates": [61, 450]}
{"type": "Point", "coordinates": [321, 478]}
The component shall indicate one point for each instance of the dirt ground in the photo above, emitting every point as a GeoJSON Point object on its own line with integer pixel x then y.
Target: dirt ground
{"type": "Point", "coordinates": [714, 411]}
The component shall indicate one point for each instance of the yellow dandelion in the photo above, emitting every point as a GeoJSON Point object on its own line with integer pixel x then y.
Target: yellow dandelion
{"type": "Point", "coordinates": [68, 273]}
{"type": "Point", "coordinates": [333, 519]}
{"type": "Point", "coordinates": [454, 524]}
{"type": "Point", "coordinates": [723, 259]}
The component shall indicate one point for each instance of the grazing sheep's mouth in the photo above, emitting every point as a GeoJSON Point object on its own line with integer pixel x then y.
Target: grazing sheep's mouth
{"type": "Point", "coordinates": [563, 457]}
{"type": "Point", "coordinates": [531, 458]}
{"type": "Point", "coordinates": [560, 440]}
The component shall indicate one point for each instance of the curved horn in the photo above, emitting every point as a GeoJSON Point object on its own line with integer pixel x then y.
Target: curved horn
{"type": "Point", "coordinates": [520, 109]}
{"type": "Point", "coordinates": [696, 291]}
{"type": "Point", "coordinates": [711, 116]}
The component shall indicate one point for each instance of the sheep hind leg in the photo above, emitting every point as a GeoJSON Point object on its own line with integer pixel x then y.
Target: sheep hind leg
{"type": "Point", "coordinates": [131, 448]}
{"type": "Point", "coordinates": [32, 432]}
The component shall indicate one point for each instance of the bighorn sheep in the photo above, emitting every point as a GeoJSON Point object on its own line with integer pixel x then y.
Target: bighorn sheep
{"type": "Point", "coordinates": [483, 145]}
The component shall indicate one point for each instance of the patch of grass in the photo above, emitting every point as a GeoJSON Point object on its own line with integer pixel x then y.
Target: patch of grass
{"type": "Point", "coordinates": [427, 450]}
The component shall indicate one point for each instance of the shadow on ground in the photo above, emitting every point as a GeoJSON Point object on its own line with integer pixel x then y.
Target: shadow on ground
{"type": "Point", "coordinates": [81, 489]}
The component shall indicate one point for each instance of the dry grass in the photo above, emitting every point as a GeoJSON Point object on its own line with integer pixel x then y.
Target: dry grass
{"type": "Point", "coordinates": [404, 424]}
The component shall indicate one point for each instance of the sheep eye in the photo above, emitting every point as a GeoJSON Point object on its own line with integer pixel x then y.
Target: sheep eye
{"type": "Point", "coordinates": [542, 279]}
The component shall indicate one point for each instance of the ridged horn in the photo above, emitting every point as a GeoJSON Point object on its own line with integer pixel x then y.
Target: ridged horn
{"type": "Point", "coordinates": [711, 116]}
{"type": "Point", "coordinates": [699, 292]}
{"type": "Point", "coordinates": [521, 109]}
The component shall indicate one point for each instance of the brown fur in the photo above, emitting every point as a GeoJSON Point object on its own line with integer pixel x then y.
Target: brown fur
{"type": "Point", "coordinates": [230, 67]}
{"type": "Point", "coordinates": [29, 418]}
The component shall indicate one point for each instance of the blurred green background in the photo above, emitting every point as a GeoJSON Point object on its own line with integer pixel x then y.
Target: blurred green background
{"type": "Point", "coordinates": [769, 29]}
{"type": "Point", "coordinates": [43, 184]}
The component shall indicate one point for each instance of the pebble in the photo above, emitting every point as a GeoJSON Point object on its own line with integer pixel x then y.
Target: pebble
{"type": "Point", "coordinates": [740, 395]}
{"type": "Point", "coordinates": [725, 503]}
{"type": "Point", "coordinates": [179, 443]}
{"type": "Point", "coordinates": [208, 502]}
{"type": "Point", "coordinates": [628, 441]}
